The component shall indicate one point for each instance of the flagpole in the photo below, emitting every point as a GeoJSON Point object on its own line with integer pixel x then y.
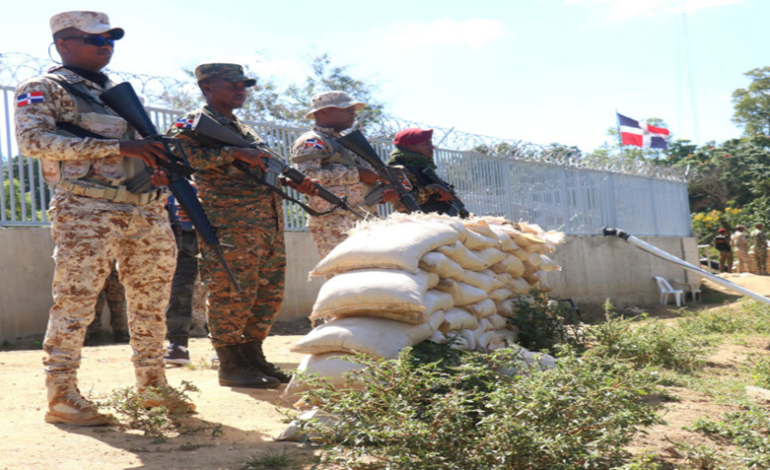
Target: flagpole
{"type": "Point", "coordinates": [620, 137]}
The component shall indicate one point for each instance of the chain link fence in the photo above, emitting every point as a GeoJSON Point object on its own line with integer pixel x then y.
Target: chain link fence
{"type": "Point", "coordinates": [549, 186]}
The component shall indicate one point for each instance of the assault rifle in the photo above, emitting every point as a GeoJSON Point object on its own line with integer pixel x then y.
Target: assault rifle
{"type": "Point", "coordinates": [124, 101]}
{"type": "Point", "coordinates": [357, 143]}
{"type": "Point", "coordinates": [276, 166]}
{"type": "Point", "coordinates": [455, 204]}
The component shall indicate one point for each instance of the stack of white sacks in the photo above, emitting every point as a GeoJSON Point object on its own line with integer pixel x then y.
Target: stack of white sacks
{"type": "Point", "coordinates": [409, 279]}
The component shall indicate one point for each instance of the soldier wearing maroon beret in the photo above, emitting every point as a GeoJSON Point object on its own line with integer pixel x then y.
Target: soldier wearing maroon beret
{"type": "Point", "coordinates": [414, 152]}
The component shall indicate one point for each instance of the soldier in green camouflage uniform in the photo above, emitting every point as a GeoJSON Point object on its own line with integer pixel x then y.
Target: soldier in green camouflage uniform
{"type": "Point", "coordinates": [318, 155]}
{"type": "Point", "coordinates": [759, 239]}
{"type": "Point", "coordinates": [247, 216]}
{"type": "Point", "coordinates": [114, 296]}
{"type": "Point", "coordinates": [94, 219]}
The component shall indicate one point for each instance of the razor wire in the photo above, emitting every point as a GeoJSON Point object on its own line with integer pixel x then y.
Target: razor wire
{"type": "Point", "coordinates": [16, 67]}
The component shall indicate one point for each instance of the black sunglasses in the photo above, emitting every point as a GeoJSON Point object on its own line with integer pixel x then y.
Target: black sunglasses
{"type": "Point", "coordinates": [98, 41]}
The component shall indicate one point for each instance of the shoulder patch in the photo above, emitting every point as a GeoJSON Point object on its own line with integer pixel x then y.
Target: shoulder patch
{"type": "Point", "coordinates": [314, 143]}
{"type": "Point", "coordinates": [33, 97]}
{"type": "Point", "coordinates": [184, 123]}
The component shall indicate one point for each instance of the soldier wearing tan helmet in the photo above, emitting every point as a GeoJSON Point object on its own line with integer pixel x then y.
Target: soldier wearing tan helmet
{"type": "Point", "coordinates": [759, 240]}
{"type": "Point", "coordinates": [94, 218]}
{"type": "Point", "coordinates": [318, 155]}
{"type": "Point", "coordinates": [741, 244]}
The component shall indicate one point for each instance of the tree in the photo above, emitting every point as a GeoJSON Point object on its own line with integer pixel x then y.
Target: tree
{"type": "Point", "coordinates": [752, 104]}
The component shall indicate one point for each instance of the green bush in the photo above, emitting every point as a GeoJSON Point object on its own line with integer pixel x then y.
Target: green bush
{"type": "Point", "coordinates": [412, 415]}
{"type": "Point", "coordinates": [753, 318]}
{"type": "Point", "coordinates": [648, 342]}
{"type": "Point", "coordinates": [747, 430]}
{"type": "Point", "coordinates": [542, 324]}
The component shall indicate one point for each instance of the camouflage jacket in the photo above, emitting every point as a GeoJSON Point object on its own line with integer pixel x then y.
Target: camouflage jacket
{"type": "Point", "coordinates": [217, 177]}
{"type": "Point", "coordinates": [758, 238]}
{"type": "Point", "coordinates": [740, 241]}
{"type": "Point", "coordinates": [317, 154]}
{"type": "Point", "coordinates": [422, 191]}
{"type": "Point", "coordinates": [42, 101]}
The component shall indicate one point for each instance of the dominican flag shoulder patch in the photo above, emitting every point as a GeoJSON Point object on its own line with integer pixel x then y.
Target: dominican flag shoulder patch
{"type": "Point", "coordinates": [183, 123]}
{"type": "Point", "coordinates": [33, 97]}
{"type": "Point", "coordinates": [315, 143]}
{"type": "Point", "coordinates": [632, 132]}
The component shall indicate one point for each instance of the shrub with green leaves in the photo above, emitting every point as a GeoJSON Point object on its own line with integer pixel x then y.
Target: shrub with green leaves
{"type": "Point", "coordinates": [543, 324]}
{"type": "Point", "coordinates": [412, 415]}
{"type": "Point", "coordinates": [752, 318]}
{"type": "Point", "coordinates": [648, 342]}
{"type": "Point", "coordinates": [747, 430]}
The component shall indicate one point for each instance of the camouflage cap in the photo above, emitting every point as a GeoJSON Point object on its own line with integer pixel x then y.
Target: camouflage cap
{"type": "Point", "coordinates": [91, 22]}
{"type": "Point", "coordinates": [333, 99]}
{"type": "Point", "coordinates": [227, 72]}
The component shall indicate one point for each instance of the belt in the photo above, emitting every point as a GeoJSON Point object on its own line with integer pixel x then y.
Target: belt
{"type": "Point", "coordinates": [119, 194]}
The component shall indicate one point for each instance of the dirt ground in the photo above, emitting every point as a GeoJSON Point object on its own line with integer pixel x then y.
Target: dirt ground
{"type": "Point", "coordinates": [250, 418]}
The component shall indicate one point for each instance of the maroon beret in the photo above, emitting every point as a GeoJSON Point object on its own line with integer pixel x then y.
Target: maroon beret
{"type": "Point", "coordinates": [722, 230]}
{"type": "Point", "coordinates": [413, 136]}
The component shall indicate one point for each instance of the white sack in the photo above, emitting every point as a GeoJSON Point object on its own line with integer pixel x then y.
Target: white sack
{"type": "Point", "coordinates": [490, 256]}
{"type": "Point", "coordinates": [437, 300]}
{"type": "Point", "coordinates": [384, 293]}
{"type": "Point", "coordinates": [463, 256]}
{"type": "Point", "coordinates": [462, 293]}
{"type": "Point", "coordinates": [329, 366]}
{"type": "Point", "coordinates": [439, 263]}
{"type": "Point", "coordinates": [483, 281]}
{"type": "Point", "coordinates": [511, 265]}
{"type": "Point", "coordinates": [456, 319]}
{"type": "Point", "coordinates": [374, 336]}
{"type": "Point", "coordinates": [482, 309]}
{"type": "Point", "coordinates": [395, 244]}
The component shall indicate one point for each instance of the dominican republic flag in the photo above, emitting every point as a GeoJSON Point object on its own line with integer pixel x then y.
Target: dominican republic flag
{"type": "Point", "coordinates": [184, 123]}
{"type": "Point", "coordinates": [29, 98]}
{"type": "Point", "coordinates": [642, 135]}
{"type": "Point", "coordinates": [314, 143]}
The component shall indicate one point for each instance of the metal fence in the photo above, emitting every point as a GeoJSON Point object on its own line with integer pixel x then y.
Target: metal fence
{"type": "Point", "coordinates": [563, 197]}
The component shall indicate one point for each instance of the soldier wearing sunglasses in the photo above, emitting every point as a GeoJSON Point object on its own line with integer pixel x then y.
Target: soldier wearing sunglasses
{"type": "Point", "coordinates": [87, 153]}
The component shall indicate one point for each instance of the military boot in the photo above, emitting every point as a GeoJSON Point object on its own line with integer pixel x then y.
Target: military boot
{"type": "Point", "coordinates": [164, 396]}
{"type": "Point", "coordinates": [66, 405]}
{"type": "Point", "coordinates": [254, 355]}
{"type": "Point", "coordinates": [234, 371]}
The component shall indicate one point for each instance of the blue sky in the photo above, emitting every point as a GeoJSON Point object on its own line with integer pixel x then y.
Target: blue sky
{"type": "Point", "coordinates": [539, 70]}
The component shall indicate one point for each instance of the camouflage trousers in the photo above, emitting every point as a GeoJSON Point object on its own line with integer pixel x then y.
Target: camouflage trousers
{"type": "Point", "coordinates": [88, 235]}
{"type": "Point", "coordinates": [258, 260]}
{"type": "Point", "coordinates": [760, 256]}
{"type": "Point", "coordinates": [743, 260]}
{"type": "Point", "coordinates": [329, 231]}
{"type": "Point", "coordinates": [113, 294]}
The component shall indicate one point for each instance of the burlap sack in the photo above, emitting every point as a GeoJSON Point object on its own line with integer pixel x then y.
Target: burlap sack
{"type": "Point", "coordinates": [483, 281]}
{"type": "Point", "coordinates": [548, 265]}
{"type": "Point", "coordinates": [439, 263]}
{"type": "Point", "coordinates": [498, 295]}
{"type": "Point", "coordinates": [393, 244]}
{"type": "Point", "coordinates": [462, 293]}
{"type": "Point", "coordinates": [377, 337]}
{"type": "Point", "coordinates": [456, 319]}
{"type": "Point", "coordinates": [496, 321]}
{"type": "Point", "coordinates": [511, 265]}
{"type": "Point", "coordinates": [506, 308]}
{"type": "Point", "coordinates": [331, 367]}
{"type": "Point", "coordinates": [482, 309]}
{"type": "Point", "coordinates": [463, 256]}
{"type": "Point", "coordinates": [490, 256]}
{"type": "Point", "coordinates": [384, 293]}
{"type": "Point", "coordinates": [437, 300]}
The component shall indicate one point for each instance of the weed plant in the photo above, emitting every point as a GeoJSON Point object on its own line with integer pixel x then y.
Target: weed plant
{"type": "Point", "coordinates": [752, 318]}
{"type": "Point", "coordinates": [648, 342]}
{"type": "Point", "coordinates": [272, 460]}
{"type": "Point", "coordinates": [747, 430]}
{"type": "Point", "coordinates": [418, 416]}
{"type": "Point", "coordinates": [131, 411]}
{"type": "Point", "coordinates": [542, 324]}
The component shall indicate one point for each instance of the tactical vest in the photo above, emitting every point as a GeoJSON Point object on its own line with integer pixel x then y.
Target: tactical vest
{"type": "Point", "coordinates": [431, 205]}
{"type": "Point", "coordinates": [100, 119]}
{"type": "Point", "coordinates": [721, 243]}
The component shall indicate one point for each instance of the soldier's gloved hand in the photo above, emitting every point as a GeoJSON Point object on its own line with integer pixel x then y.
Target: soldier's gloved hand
{"type": "Point", "coordinates": [389, 195]}
{"type": "Point", "coordinates": [251, 157]}
{"type": "Point", "coordinates": [443, 194]}
{"type": "Point", "coordinates": [306, 187]}
{"type": "Point", "coordinates": [369, 177]}
{"type": "Point", "coordinates": [145, 150]}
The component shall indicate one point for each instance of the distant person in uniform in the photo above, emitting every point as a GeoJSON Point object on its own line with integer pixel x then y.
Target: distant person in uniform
{"type": "Point", "coordinates": [759, 240]}
{"type": "Point", "coordinates": [741, 244]}
{"type": "Point", "coordinates": [414, 152]}
{"type": "Point", "coordinates": [725, 249]}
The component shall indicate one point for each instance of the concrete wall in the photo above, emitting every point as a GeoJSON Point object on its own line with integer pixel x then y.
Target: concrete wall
{"type": "Point", "coordinates": [595, 268]}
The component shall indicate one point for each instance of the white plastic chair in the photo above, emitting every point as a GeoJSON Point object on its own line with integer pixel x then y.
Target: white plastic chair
{"type": "Point", "coordinates": [694, 290]}
{"type": "Point", "coordinates": [666, 290]}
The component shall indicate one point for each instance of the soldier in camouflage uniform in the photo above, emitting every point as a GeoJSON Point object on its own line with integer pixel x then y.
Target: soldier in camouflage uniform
{"type": "Point", "coordinates": [414, 151]}
{"type": "Point", "coordinates": [759, 239]}
{"type": "Point", "coordinates": [114, 296]}
{"type": "Point", "coordinates": [94, 219]}
{"type": "Point", "coordinates": [741, 244]}
{"type": "Point", "coordinates": [248, 217]}
{"type": "Point", "coordinates": [318, 155]}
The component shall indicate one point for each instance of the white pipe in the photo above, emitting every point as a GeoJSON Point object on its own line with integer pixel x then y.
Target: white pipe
{"type": "Point", "coordinates": [684, 264]}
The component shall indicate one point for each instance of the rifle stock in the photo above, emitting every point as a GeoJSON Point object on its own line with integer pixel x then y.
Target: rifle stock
{"type": "Point", "coordinates": [357, 143]}
{"type": "Point", "coordinates": [124, 101]}
{"type": "Point", "coordinates": [212, 129]}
